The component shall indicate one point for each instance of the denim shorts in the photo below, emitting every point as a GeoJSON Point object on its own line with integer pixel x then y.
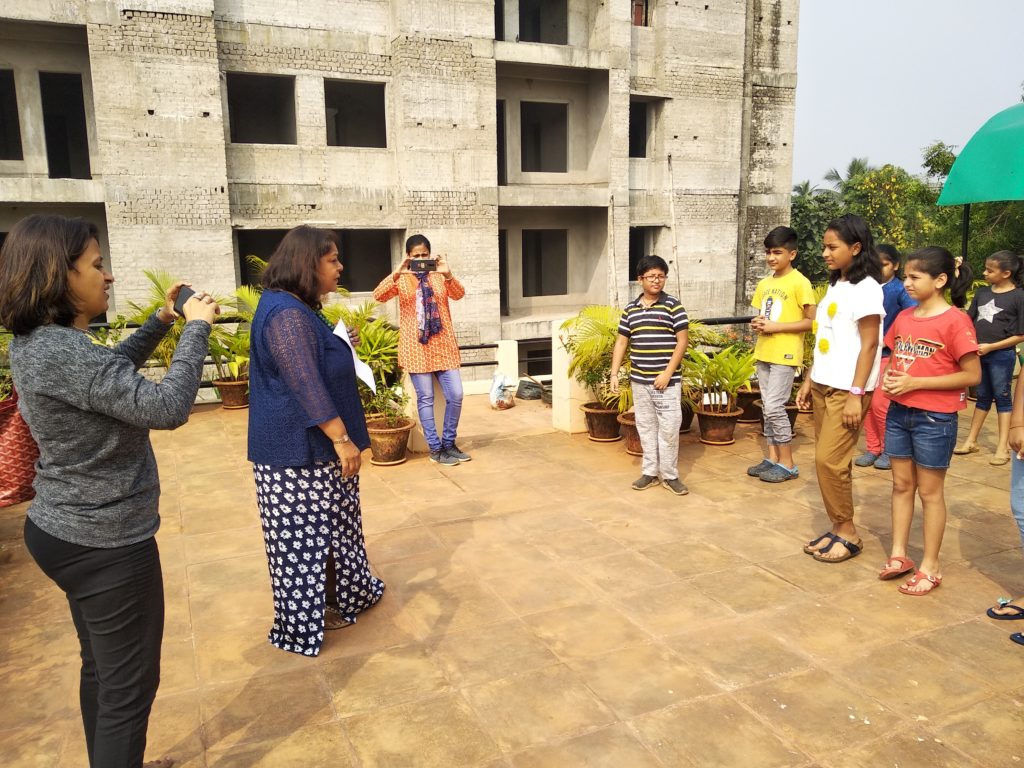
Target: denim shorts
{"type": "Point", "coordinates": [926, 437]}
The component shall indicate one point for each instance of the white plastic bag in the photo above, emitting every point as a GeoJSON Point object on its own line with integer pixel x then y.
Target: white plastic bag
{"type": "Point", "coordinates": [502, 394]}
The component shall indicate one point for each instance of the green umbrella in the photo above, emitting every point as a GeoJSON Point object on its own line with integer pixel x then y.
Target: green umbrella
{"type": "Point", "coordinates": [991, 165]}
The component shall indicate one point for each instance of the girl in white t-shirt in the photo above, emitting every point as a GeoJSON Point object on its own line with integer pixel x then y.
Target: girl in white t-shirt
{"type": "Point", "coordinates": [847, 350]}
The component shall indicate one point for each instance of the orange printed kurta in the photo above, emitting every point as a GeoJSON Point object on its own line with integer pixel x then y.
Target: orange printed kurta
{"type": "Point", "coordinates": [441, 353]}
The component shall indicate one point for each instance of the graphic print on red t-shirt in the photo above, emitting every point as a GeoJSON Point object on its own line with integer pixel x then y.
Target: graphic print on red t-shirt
{"type": "Point", "coordinates": [907, 350]}
{"type": "Point", "coordinates": [931, 346]}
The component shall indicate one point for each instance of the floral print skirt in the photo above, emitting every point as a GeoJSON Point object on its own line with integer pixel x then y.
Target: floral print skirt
{"type": "Point", "coordinates": [309, 514]}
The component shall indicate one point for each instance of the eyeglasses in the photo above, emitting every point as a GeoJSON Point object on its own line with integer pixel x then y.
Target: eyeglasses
{"type": "Point", "coordinates": [653, 278]}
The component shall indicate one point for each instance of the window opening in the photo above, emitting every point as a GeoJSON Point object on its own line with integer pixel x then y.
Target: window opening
{"type": "Point", "coordinates": [639, 127]}
{"type": "Point", "coordinates": [544, 137]}
{"type": "Point", "coordinates": [10, 130]}
{"type": "Point", "coordinates": [67, 141]}
{"type": "Point", "coordinates": [355, 114]}
{"type": "Point", "coordinates": [545, 262]}
{"type": "Point", "coordinates": [544, 21]}
{"type": "Point", "coordinates": [261, 108]}
{"type": "Point", "coordinates": [366, 256]}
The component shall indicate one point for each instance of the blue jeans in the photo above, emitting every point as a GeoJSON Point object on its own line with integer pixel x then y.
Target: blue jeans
{"type": "Point", "coordinates": [926, 437]}
{"type": "Point", "coordinates": [451, 387]}
{"type": "Point", "coordinates": [996, 373]}
{"type": "Point", "coordinates": [1017, 494]}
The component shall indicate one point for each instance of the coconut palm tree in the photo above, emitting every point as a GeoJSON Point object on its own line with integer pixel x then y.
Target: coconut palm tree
{"type": "Point", "coordinates": [856, 167]}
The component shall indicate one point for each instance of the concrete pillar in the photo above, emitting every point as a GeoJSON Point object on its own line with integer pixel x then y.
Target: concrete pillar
{"type": "Point", "coordinates": [566, 394]}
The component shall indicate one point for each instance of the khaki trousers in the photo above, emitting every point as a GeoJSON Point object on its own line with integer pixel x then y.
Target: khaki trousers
{"type": "Point", "coordinates": [834, 445]}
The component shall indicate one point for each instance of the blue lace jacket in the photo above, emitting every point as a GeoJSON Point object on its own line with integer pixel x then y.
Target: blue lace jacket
{"type": "Point", "coordinates": [300, 375]}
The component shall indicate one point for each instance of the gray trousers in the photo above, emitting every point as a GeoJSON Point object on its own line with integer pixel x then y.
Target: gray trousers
{"type": "Point", "coordinates": [776, 384]}
{"type": "Point", "coordinates": [658, 416]}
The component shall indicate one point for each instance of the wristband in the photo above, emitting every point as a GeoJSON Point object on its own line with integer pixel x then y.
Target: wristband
{"type": "Point", "coordinates": [858, 391]}
{"type": "Point", "coordinates": [340, 440]}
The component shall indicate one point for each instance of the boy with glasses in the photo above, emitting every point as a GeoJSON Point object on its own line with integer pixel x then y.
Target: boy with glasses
{"type": "Point", "coordinates": [653, 327]}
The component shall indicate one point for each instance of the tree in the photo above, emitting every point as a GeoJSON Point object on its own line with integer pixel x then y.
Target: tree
{"type": "Point", "coordinates": [856, 167]}
{"type": "Point", "coordinates": [809, 215]}
{"type": "Point", "coordinates": [897, 206]}
{"type": "Point", "coordinates": [937, 159]}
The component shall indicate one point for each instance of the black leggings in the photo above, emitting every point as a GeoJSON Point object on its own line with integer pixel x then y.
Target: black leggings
{"type": "Point", "coordinates": [117, 603]}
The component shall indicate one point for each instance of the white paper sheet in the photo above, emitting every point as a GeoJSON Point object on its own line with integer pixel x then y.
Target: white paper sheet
{"type": "Point", "coordinates": [363, 371]}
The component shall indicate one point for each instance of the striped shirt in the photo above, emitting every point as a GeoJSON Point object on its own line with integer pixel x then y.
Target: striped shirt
{"type": "Point", "coordinates": [652, 336]}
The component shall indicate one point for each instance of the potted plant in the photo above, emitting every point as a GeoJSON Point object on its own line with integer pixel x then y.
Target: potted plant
{"type": "Point", "coordinates": [387, 424]}
{"type": "Point", "coordinates": [714, 383]}
{"type": "Point", "coordinates": [229, 350]}
{"type": "Point", "coordinates": [589, 339]}
{"type": "Point", "coordinates": [18, 451]}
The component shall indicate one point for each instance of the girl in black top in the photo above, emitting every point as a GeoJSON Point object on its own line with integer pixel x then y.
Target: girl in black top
{"type": "Point", "coordinates": [998, 314]}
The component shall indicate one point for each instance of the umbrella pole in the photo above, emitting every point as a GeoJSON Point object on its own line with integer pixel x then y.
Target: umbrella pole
{"type": "Point", "coordinates": [965, 230]}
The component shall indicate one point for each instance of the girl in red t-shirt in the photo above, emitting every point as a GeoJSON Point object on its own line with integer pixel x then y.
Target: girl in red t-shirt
{"type": "Point", "coordinates": [934, 359]}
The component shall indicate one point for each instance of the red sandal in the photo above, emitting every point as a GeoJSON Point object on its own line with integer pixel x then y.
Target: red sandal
{"type": "Point", "coordinates": [917, 578]}
{"type": "Point", "coordinates": [906, 565]}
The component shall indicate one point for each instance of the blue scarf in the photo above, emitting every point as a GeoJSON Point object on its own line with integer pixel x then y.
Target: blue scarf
{"type": "Point", "coordinates": [428, 318]}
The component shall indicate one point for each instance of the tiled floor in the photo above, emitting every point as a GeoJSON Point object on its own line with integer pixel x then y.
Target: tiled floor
{"type": "Point", "coordinates": [539, 613]}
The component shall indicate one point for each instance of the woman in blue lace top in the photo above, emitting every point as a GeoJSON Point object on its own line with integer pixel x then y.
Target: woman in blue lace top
{"type": "Point", "coordinates": [306, 434]}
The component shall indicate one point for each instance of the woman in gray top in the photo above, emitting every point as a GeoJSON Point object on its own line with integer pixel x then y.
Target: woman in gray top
{"type": "Point", "coordinates": [92, 523]}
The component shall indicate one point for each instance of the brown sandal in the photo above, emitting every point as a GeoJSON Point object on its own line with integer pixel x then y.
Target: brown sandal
{"type": "Point", "coordinates": [334, 620]}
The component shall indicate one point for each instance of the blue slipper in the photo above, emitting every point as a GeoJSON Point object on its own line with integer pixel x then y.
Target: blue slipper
{"type": "Point", "coordinates": [1006, 617]}
{"type": "Point", "coordinates": [852, 550]}
{"type": "Point", "coordinates": [1018, 637]}
{"type": "Point", "coordinates": [810, 547]}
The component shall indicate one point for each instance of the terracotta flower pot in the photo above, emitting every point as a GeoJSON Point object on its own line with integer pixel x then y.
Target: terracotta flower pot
{"type": "Point", "coordinates": [750, 404]}
{"type": "Point", "coordinates": [388, 445]}
{"type": "Point", "coordinates": [717, 428]}
{"type": "Point", "coordinates": [234, 393]}
{"type": "Point", "coordinates": [602, 423]}
{"type": "Point", "coordinates": [791, 411]}
{"type": "Point", "coordinates": [632, 437]}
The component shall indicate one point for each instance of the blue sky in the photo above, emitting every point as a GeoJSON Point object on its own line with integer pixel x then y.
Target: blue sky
{"type": "Point", "coordinates": [883, 78]}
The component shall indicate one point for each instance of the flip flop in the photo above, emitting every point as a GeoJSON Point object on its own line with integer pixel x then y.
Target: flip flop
{"type": "Point", "coordinates": [998, 461]}
{"type": "Point", "coordinates": [991, 613]}
{"type": "Point", "coordinates": [905, 566]}
{"type": "Point", "coordinates": [810, 547]}
{"type": "Point", "coordinates": [916, 579]}
{"type": "Point", "coordinates": [964, 450]}
{"type": "Point", "coordinates": [1018, 637]}
{"type": "Point", "coordinates": [852, 550]}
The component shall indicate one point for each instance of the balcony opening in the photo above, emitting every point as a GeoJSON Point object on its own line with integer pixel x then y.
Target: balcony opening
{"type": "Point", "coordinates": [10, 130]}
{"type": "Point", "coordinates": [503, 305]}
{"type": "Point", "coordinates": [255, 242]}
{"type": "Point", "coordinates": [639, 127]}
{"type": "Point", "coordinates": [499, 19]}
{"type": "Point", "coordinates": [355, 114]}
{"type": "Point", "coordinates": [67, 142]}
{"type": "Point", "coordinates": [544, 21]}
{"type": "Point", "coordinates": [545, 262]}
{"type": "Point", "coordinates": [366, 256]}
{"type": "Point", "coordinates": [502, 154]}
{"type": "Point", "coordinates": [544, 136]}
{"type": "Point", "coordinates": [642, 13]}
{"type": "Point", "coordinates": [642, 242]}
{"type": "Point", "coordinates": [261, 108]}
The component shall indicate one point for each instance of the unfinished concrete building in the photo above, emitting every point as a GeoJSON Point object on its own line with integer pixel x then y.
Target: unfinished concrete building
{"type": "Point", "coordinates": [544, 145]}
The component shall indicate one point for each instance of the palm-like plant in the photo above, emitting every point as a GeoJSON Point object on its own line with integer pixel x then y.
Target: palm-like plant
{"type": "Point", "coordinates": [159, 284]}
{"type": "Point", "coordinates": [713, 382]}
{"type": "Point", "coordinates": [857, 167]}
{"type": "Point", "coordinates": [590, 339]}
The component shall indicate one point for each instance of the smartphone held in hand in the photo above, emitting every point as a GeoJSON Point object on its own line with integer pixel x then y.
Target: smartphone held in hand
{"type": "Point", "coordinates": [422, 265]}
{"type": "Point", "coordinates": [184, 294]}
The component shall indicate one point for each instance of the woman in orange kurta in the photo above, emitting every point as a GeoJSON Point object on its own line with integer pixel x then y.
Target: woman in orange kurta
{"type": "Point", "coordinates": [427, 348]}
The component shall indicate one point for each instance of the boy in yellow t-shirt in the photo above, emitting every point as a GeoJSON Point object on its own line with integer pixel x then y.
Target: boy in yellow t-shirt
{"type": "Point", "coordinates": [785, 307]}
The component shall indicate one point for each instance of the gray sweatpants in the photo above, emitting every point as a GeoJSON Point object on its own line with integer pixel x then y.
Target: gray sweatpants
{"type": "Point", "coordinates": [658, 416]}
{"type": "Point", "coordinates": [776, 384]}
